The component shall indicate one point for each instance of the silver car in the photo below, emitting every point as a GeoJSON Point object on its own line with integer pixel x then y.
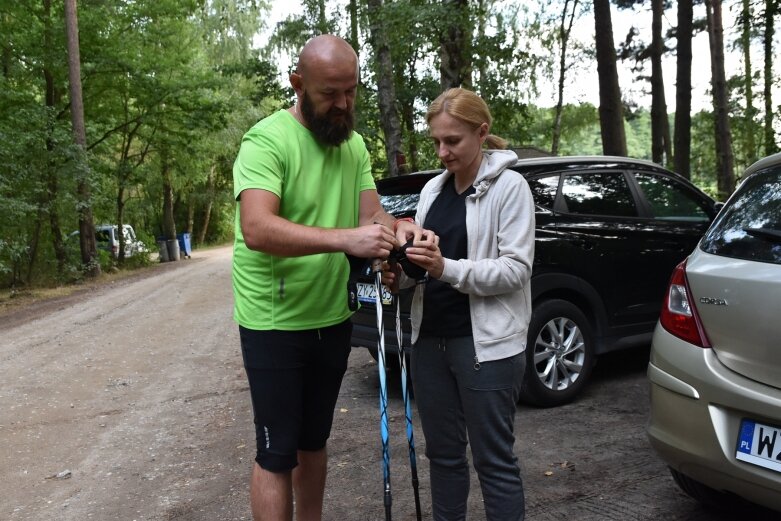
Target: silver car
{"type": "Point", "coordinates": [715, 367]}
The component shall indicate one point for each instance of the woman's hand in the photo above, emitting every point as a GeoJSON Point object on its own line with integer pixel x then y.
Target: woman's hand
{"type": "Point", "coordinates": [426, 254]}
{"type": "Point", "coordinates": [408, 230]}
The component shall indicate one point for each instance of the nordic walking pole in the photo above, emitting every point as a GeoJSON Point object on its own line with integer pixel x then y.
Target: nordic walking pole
{"type": "Point", "coordinates": [384, 432]}
{"type": "Point", "coordinates": [413, 461]}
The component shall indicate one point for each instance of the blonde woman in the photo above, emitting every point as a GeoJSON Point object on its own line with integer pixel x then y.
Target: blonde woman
{"type": "Point", "coordinates": [470, 318]}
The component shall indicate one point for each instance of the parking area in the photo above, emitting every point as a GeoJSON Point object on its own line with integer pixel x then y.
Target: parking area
{"type": "Point", "coordinates": [154, 422]}
{"type": "Point", "coordinates": [589, 460]}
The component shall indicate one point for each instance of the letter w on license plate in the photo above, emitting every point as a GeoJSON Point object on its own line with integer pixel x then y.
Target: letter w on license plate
{"type": "Point", "coordinates": [759, 444]}
{"type": "Point", "coordinates": [367, 294]}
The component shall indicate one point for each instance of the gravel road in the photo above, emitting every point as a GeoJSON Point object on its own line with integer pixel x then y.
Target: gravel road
{"type": "Point", "coordinates": [129, 402]}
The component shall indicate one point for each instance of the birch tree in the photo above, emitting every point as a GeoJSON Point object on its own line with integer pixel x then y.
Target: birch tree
{"type": "Point", "coordinates": [568, 14]}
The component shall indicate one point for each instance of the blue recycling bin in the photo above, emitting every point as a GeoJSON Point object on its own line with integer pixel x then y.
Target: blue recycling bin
{"type": "Point", "coordinates": [184, 244]}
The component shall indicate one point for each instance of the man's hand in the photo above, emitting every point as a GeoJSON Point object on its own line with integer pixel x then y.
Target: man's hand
{"type": "Point", "coordinates": [390, 276]}
{"type": "Point", "coordinates": [373, 241]}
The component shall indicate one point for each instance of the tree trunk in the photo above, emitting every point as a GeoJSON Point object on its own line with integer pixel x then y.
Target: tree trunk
{"type": "Point", "coordinates": [322, 20]}
{"type": "Point", "coordinates": [725, 169]}
{"type": "Point", "coordinates": [58, 243]}
{"type": "Point", "coordinates": [481, 73]}
{"type": "Point", "coordinates": [353, 9]}
{"type": "Point", "coordinates": [86, 224]}
{"type": "Point", "coordinates": [748, 82]}
{"type": "Point", "coordinates": [611, 110]}
{"type": "Point", "coordinates": [190, 213]}
{"type": "Point", "coordinates": [169, 225]}
{"type": "Point", "coordinates": [771, 6]}
{"type": "Point", "coordinates": [52, 99]}
{"type": "Point", "coordinates": [683, 90]}
{"type": "Point", "coordinates": [5, 53]}
{"type": "Point", "coordinates": [455, 64]}
{"type": "Point", "coordinates": [207, 213]}
{"type": "Point", "coordinates": [32, 244]}
{"type": "Point", "coordinates": [408, 117]}
{"type": "Point", "coordinates": [565, 28]}
{"type": "Point", "coordinates": [408, 113]}
{"type": "Point", "coordinates": [121, 222]}
{"type": "Point", "coordinates": [660, 131]}
{"type": "Point", "coordinates": [386, 92]}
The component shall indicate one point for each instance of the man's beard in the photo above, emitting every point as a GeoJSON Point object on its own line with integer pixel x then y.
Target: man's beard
{"type": "Point", "coordinates": [332, 128]}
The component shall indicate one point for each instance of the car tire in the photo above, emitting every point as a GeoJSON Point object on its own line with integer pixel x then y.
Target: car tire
{"type": "Point", "coordinates": [391, 359]}
{"type": "Point", "coordinates": [704, 494]}
{"type": "Point", "coordinates": [559, 354]}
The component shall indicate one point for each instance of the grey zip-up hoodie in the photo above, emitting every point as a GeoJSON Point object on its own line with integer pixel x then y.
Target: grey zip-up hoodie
{"type": "Point", "coordinates": [500, 252]}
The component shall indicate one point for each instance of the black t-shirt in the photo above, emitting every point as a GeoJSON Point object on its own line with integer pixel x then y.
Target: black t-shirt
{"type": "Point", "coordinates": [446, 310]}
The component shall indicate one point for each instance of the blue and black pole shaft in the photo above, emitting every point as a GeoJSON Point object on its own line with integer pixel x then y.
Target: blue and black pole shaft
{"type": "Point", "coordinates": [384, 431]}
{"type": "Point", "coordinates": [413, 460]}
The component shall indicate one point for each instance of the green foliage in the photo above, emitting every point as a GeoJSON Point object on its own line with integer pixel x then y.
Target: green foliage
{"type": "Point", "coordinates": [703, 155]}
{"type": "Point", "coordinates": [579, 129]}
{"type": "Point", "coordinates": [172, 85]}
{"type": "Point", "coordinates": [157, 75]}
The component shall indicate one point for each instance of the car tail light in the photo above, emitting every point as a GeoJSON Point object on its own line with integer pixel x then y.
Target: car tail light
{"type": "Point", "coordinates": [679, 314]}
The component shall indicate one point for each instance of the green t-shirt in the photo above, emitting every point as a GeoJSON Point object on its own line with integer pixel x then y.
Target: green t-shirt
{"type": "Point", "coordinates": [317, 186]}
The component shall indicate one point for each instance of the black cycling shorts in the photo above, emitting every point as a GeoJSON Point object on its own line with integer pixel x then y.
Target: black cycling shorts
{"type": "Point", "coordinates": [294, 380]}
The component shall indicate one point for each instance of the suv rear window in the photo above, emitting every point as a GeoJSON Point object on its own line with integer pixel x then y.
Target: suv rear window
{"type": "Point", "coordinates": [669, 200]}
{"type": "Point", "coordinates": [749, 227]}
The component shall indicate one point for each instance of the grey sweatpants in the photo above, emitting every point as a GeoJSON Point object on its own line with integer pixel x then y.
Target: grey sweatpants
{"type": "Point", "coordinates": [459, 400]}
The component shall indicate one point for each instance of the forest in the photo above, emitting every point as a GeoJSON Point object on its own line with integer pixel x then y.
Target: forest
{"type": "Point", "coordinates": [132, 111]}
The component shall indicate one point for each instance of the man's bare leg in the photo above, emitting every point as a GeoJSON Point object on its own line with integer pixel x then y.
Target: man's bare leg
{"type": "Point", "coordinates": [309, 484]}
{"type": "Point", "coordinates": [271, 495]}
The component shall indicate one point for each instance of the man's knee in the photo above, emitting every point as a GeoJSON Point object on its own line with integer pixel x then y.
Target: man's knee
{"type": "Point", "coordinates": [276, 463]}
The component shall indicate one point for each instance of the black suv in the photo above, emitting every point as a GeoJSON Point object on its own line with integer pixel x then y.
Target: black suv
{"type": "Point", "coordinates": [609, 231]}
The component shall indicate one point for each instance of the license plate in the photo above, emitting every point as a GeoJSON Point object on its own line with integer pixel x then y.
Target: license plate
{"type": "Point", "coordinates": [367, 294]}
{"type": "Point", "coordinates": [759, 444]}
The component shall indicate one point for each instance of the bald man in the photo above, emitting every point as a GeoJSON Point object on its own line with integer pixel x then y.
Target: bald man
{"type": "Point", "coordinates": [305, 196]}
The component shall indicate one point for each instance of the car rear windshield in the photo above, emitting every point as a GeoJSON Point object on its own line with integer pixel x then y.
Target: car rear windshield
{"type": "Point", "coordinates": [102, 236]}
{"type": "Point", "coordinates": [749, 226]}
{"type": "Point", "coordinates": [400, 204]}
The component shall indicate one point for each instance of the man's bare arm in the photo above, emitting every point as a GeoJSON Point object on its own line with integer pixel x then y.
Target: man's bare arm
{"type": "Point", "coordinates": [264, 230]}
{"type": "Point", "coordinates": [372, 212]}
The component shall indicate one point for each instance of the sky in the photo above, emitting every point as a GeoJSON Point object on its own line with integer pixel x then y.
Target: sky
{"type": "Point", "coordinates": [583, 86]}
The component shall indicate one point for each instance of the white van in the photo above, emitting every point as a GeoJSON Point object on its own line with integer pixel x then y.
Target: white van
{"type": "Point", "coordinates": [107, 238]}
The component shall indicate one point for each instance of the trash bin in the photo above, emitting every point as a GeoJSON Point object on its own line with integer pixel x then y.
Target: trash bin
{"type": "Point", "coordinates": [173, 249]}
{"type": "Point", "coordinates": [161, 245]}
{"type": "Point", "coordinates": [184, 244]}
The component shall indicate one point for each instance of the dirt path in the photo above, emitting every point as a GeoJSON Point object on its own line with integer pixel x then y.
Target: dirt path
{"type": "Point", "coordinates": [135, 395]}
{"type": "Point", "coordinates": [133, 390]}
